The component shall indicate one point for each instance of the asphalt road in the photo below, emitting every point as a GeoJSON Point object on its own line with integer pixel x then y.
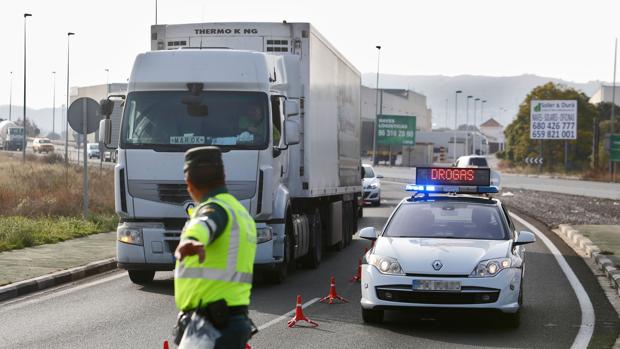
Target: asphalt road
{"type": "Point", "coordinates": [108, 311]}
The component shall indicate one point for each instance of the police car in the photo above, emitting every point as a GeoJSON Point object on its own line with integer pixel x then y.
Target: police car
{"type": "Point", "coordinates": [449, 245]}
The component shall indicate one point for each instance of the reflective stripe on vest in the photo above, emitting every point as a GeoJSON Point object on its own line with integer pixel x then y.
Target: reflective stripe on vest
{"type": "Point", "coordinates": [230, 274]}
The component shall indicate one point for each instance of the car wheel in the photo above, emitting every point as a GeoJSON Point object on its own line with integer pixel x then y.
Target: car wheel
{"type": "Point", "coordinates": [513, 320]}
{"type": "Point", "coordinates": [378, 202]}
{"type": "Point", "coordinates": [141, 277]}
{"type": "Point", "coordinates": [372, 316]}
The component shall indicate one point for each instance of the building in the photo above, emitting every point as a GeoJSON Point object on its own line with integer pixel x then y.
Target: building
{"type": "Point", "coordinates": [605, 94]}
{"type": "Point", "coordinates": [443, 142]}
{"type": "Point", "coordinates": [392, 102]}
{"type": "Point", "coordinates": [494, 132]}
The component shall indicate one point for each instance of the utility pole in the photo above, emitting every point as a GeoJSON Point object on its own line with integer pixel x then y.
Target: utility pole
{"type": "Point", "coordinates": [456, 108]}
{"type": "Point", "coordinates": [10, 95]}
{"type": "Point", "coordinates": [447, 126]}
{"type": "Point", "coordinates": [467, 125]}
{"type": "Point", "coordinates": [54, 105]}
{"type": "Point", "coordinates": [25, 143]}
{"type": "Point", "coordinates": [67, 105]}
{"type": "Point", "coordinates": [377, 111]}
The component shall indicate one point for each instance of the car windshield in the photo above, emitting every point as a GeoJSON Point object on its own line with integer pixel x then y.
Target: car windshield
{"type": "Point", "coordinates": [448, 219]}
{"type": "Point", "coordinates": [93, 146]}
{"type": "Point", "coordinates": [368, 172]}
{"type": "Point", "coordinates": [480, 162]}
{"type": "Point", "coordinates": [44, 141]}
{"type": "Point", "coordinates": [16, 131]}
{"type": "Point", "coordinates": [177, 120]}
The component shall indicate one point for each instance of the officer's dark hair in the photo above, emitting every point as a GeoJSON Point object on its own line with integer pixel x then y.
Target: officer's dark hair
{"type": "Point", "coordinates": [206, 176]}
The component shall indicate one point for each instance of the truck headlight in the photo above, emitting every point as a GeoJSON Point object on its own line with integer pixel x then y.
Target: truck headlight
{"type": "Point", "coordinates": [385, 265]}
{"type": "Point", "coordinates": [263, 235]}
{"type": "Point", "coordinates": [129, 234]}
{"type": "Point", "coordinates": [490, 267]}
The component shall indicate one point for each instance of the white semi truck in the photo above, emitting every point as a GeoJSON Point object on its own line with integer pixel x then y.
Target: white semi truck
{"type": "Point", "coordinates": [296, 167]}
{"type": "Point", "coordinates": [11, 136]}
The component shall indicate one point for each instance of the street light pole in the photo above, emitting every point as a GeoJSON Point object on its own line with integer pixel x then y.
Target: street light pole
{"type": "Point", "coordinates": [377, 111]}
{"type": "Point", "coordinates": [54, 105]}
{"type": "Point", "coordinates": [482, 119]}
{"type": "Point", "coordinates": [467, 125]}
{"type": "Point", "coordinates": [67, 105]}
{"type": "Point", "coordinates": [25, 143]}
{"type": "Point", "coordinates": [447, 126]}
{"type": "Point", "coordinates": [10, 96]}
{"type": "Point", "coordinates": [107, 80]}
{"type": "Point", "coordinates": [456, 113]}
{"type": "Point", "coordinates": [475, 105]}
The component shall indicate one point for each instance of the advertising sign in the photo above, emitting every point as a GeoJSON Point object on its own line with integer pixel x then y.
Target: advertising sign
{"type": "Point", "coordinates": [553, 119]}
{"type": "Point", "coordinates": [396, 130]}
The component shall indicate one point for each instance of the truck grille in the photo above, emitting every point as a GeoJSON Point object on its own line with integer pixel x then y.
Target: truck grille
{"type": "Point", "coordinates": [404, 294]}
{"type": "Point", "coordinates": [174, 193]}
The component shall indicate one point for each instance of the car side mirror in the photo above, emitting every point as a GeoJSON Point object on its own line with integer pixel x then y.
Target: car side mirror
{"type": "Point", "coordinates": [291, 107]}
{"type": "Point", "coordinates": [368, 233]}
{"type": "Point", "coordinates": [525, 237]}
{"type": "Point", "coordinates": [291, 132]}
{"type": "Point", "coordinates": [105, 131]}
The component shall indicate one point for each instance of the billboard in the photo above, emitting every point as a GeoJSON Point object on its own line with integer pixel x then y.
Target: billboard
{"type": "Point", "coordinates": [553, 119]}
{"type": "Point", "coordinates": [396, 130]}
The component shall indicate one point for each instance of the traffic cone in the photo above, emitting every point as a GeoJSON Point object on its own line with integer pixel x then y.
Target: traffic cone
{"type": "Point", "coordinates": [299, 315]}
{"type": "Point", "coordinates": [333, 294]}
{"type": "Point", "coordinates": [358, 274]}
{"type": "Point", "coordinates": [248, 346]}
{"type": "Point", "coordinates": [166, 346]}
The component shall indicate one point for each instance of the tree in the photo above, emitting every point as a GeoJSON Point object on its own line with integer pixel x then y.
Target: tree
{"type": "Point", "coordinates": [517, 134]}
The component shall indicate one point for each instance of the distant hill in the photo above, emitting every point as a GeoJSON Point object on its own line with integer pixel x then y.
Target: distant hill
{"type": "Point", "coordinates": [500, 92]}
{"type": "Point", "coordinates": [41, 117]}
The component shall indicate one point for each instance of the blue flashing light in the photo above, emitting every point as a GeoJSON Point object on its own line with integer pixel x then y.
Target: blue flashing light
{"type": "Point", "coordinates": [488, 190]}
{"type": "Point", "coordinates": [430, 188]}
{"type": "Point", "coordinates": [418, 188]}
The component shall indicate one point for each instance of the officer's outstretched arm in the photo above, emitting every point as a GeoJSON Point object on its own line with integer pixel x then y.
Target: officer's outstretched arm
{"type": "Point", "coordinates": [188, 248]}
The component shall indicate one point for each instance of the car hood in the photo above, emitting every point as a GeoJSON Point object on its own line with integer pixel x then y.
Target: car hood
{"type": "Point", "coordinates": [368, 181]}
{"type": "Point", "coordinates": [457, 256]}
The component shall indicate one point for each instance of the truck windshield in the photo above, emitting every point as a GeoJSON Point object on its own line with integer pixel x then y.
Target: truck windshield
{"type": "Point", "coordinates": [16, 131]}
{"type": "Point", "coordinates": [160, 120]}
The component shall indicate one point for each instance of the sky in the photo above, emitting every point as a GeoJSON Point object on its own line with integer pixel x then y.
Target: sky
{"type": "Point", "coordinates": [567, 39]}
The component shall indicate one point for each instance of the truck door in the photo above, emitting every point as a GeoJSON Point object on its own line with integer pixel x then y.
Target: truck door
{"type": "Point", "coordinates": [281, 157]}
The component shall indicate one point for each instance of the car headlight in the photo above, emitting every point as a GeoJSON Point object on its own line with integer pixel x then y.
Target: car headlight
{"type": "Point", "coordinates": [373, 186]}
{"type": "Point", "coordinates": [263, 235]}
{"type": "Point", "coordinates": [490, 267]}
{"type": "Point", "coordinates": [385, 265]}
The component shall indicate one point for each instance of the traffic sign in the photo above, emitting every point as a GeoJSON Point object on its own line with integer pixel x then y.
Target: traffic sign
{"type": "Point", "coordinates": [553, 119]}
{"type": "Point", "coordinates": [614, 148]}
{"type": "Point", "coordinates": [76, 116]}
{"type": "Point", "coordinates": [538, 160]}
{"type": "Point", "coordinates": [396, 129]}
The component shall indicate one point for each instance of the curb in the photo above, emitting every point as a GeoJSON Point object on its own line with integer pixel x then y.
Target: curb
{"type": "Point", "coordinates": [592, 251]}
{"type": "Point", "coordinates": [21, 288]}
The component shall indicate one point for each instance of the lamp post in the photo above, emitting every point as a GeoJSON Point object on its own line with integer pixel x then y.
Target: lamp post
{"type": "Point", "coordinates": [475, 100]}
{"type": "Point", "coordinates": [107, 80]}
{"type": "Point", "coordinates": [10, 95]}
{"type": "Point", "coordinates": [456, 113]}
{"type": "Point", "coordinates": [69, 34]}
{"type": "Point", "coordinates": [25, 143]}
{"type": "Point", "coordinates": [467, 125]}
{"type": "Point", "coordinates": [54, 104]}
{"type": "Point", "coordinates": [377, 111]}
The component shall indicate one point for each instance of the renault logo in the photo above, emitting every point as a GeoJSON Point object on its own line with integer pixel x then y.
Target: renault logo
{"type": "Point", "coordinates": [437, 265]}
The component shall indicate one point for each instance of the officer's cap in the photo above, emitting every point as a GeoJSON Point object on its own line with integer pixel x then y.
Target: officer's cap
{"type": "Point", "coordinates": [203, 156]}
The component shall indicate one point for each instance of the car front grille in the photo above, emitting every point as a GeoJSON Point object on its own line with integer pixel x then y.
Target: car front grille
{"type": "Point", "coordinates": [174, 193]}
{"type": "Point", "coordinates": [467, 295]}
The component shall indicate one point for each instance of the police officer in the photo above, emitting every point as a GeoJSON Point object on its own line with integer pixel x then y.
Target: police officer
{"type": "Point", "coordinates": [215, 257]}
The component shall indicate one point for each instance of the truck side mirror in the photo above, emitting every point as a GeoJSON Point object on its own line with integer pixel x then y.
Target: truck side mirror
{"type": "Point", "coordinates": [291, 132]}
{"type": "Point", "coordinates": [291, 107]}
{"type": "Point", "coordinates": [105, 131]}
{"type": "Point", "coordinates": [106, 107]}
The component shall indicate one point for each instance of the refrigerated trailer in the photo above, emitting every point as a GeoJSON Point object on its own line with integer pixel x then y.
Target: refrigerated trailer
{"type": "Point", "coordinates": [300, 180]}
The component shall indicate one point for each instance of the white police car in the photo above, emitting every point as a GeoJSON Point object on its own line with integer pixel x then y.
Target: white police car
{"type": "Point", "coordinates": [450, 245]}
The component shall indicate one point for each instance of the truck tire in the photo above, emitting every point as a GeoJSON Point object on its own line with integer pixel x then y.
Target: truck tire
{"type": "Point", "coordinates": [315, 255]}
{"type": "Point", "coordinates": [141, 277]}
{"type": "Point", "coordinates": [279, 273]}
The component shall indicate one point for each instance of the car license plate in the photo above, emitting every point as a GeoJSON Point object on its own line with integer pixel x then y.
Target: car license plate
{"type": "Point", "coordinates": [436, 285]}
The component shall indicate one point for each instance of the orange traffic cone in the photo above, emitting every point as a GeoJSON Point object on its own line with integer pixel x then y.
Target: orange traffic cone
{"type": "Point", "coordinates": [166, 346]}
{"type": "Point", "coordinates": [333, 294]}
{"type": "Point", "coordinates": [358, 274]}
{"type": "Point", "coordinates": [299, 315]}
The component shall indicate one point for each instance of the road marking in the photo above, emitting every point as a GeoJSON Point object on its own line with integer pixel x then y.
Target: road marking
{"type": "Point", "coordinates": [287, 315]}
{"type": "Point", "coordinates": [30, 299]}
{"type": "Point", "coordinates": [392, 182]}
{"type": "Point", "coordinates": [587, 311]}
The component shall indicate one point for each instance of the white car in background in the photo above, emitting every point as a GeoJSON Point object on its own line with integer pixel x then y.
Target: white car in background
{"type": "Point", "coordinates": [371, 183]}
{"type": "Point", "coordinates": [442, 249]}
{"type": "Point", "coordinates": [93, 150]}
{"type": "Point", "coordinates": [479, 162]}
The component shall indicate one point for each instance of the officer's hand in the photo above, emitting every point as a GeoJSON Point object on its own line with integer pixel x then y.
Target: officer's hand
{"type": "Point", "coordinates": [190, 248]}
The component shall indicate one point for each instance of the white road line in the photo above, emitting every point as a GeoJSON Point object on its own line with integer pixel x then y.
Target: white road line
{"type": "Point", "coordinates": [391, 182]}
{"type": "Point", "coordinates": [587, 311]}
{"type": "Point", "coordinates": [290, 313]}
{"type": "Point", "coordinates": [26, 300]}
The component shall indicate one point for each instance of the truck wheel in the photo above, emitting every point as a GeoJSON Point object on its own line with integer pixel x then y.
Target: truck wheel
{"type": "Point", "coordinates": [315, 255]}
{"type": "Point", "coordinates": [280, 272]}
{"type": "Point", "coordinates": [141, 277]}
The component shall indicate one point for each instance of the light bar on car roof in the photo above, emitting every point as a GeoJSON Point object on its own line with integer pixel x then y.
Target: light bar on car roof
{"type": "Point", "coordinates": [452, 180]}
